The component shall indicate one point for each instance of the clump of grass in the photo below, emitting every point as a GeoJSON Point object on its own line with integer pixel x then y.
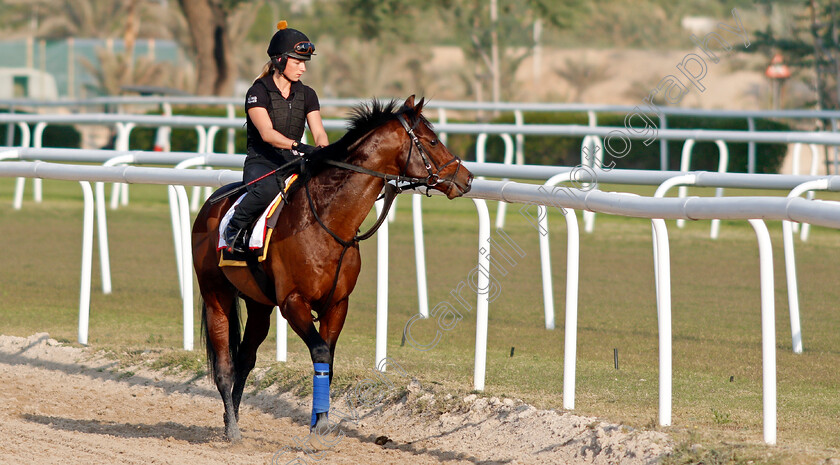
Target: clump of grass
{"type": "Point", "coordinates": [180, 361]}
{"type": "Point", "coordinates": [720, 418]}
{"type": "Point", "coordinates": [286, 378]}
{"type": "Point", "coordinates": [126, 357]}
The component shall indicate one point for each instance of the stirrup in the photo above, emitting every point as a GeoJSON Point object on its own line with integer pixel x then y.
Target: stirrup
{"type": "Point", "coordinates": [237, 240]}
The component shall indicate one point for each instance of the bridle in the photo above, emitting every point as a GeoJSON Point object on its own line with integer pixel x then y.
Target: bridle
{"type": "Point", "coordinates": [434, 177]}
{"type": "Point", "coordinates": [431, 180]}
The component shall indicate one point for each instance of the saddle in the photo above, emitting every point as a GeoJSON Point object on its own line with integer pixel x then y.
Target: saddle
{"type": "Point", "coordinates": [260, 232]}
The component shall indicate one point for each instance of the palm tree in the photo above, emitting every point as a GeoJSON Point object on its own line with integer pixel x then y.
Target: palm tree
{"type": "Point", "coordinates": [59, 19]}
{"type": "Point", "coordinates": [582, 75]}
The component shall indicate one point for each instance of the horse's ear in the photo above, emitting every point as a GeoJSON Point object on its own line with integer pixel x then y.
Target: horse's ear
{"type": "Point", "coordinates": [409, 102]}
{"type": "Point", "coordinates": [419, 108]}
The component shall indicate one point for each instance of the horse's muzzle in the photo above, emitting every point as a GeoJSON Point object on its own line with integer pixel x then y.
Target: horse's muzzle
{"type": "Point", "coordinates": [460, 185]}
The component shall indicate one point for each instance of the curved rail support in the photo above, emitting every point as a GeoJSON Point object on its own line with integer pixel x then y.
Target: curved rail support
{"type": "Point", "coordinates": [87, 260]}
{"type": "Point", "coordinates": [176, 214]}
{"type": "Point", "coordinates": [25, 134]}
{"type": "Point", "coordinates": [685, 179]}
{"type": "Point", "coordinates": [119, 192]}
{"type": "Point", "coordinates": [813, 172]}
{"type": "Point", "coordinates": [790, 265]}
{"type": "Point", "coordinates": [102, 222]}
{"type": "Point", "coordinates": [186, 266]}
{"type": "Point", "coordinates": [768, 330]}
{"type": "Point", "coordinates": [723, 163]}
{"type": "Point", "coordinates": [481, 149]}
{"type": "Point", "coordinates": [483, 303]}
{"type": "Point", "coordinates": [662, 267]}
{"type": "Point", "coordinates": [572, 280]}
{"type": "Point", "coordinates": [509, 153]}
{"type": "Point", "coordinates": [37, 142]}
{"type": "Point", "coordinates": [196, 198]}
{"type": "Point", "coordinates": [420, 256]}
{"type": "Point", "coordinates": [381, 291]}
{"type": "Point", "coordinates": [591, 155]}
{"type": "Point", "coordinates": [25, 138]}
{"type": "Point", "coordinates": [662, 278]}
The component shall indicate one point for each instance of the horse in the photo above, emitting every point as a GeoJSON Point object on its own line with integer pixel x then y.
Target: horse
{"type": "Point", "coordinates": [313, 261]}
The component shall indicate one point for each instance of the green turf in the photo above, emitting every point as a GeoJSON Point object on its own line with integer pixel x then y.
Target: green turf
{"type": "Point", "coordinates": [716, 312]}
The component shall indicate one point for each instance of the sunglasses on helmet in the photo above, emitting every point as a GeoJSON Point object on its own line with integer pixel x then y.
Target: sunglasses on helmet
{"type": "Point", "coordinates": [304, 48]}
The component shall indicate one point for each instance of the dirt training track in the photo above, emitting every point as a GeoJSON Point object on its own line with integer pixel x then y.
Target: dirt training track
{"type": "Point", "coordinates": [69, 405]}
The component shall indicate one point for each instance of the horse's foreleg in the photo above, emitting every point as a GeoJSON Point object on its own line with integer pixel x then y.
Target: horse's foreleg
{"type": "Point", "coordinates": [298, 312]}
{"type": "Point", "coordinates": [256, 329]}
{"type": "Point", "coordinates": [331, 324]}
{"type": "Point", "coordinates": [219, 312]}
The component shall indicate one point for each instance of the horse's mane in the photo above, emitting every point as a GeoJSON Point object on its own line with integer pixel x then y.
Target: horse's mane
{"type": "Point", "coordinates": [364, 118]}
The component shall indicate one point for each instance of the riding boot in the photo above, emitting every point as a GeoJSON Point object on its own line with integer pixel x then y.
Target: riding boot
{"type": "Point", "coordinates": [236, 238]}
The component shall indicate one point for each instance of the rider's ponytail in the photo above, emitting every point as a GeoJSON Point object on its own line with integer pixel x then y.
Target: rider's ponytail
{"type": "Point", "coordinates": [267, 68]}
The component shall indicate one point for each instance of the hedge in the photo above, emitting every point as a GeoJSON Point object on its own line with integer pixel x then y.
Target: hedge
{"type": "Point", "coordinates": [55, 135]}
{"type": "Point", "coordinates": [565, 150]}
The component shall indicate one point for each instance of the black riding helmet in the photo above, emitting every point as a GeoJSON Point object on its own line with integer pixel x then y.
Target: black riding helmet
{"type": "Point", "coordinates": [287, 43]}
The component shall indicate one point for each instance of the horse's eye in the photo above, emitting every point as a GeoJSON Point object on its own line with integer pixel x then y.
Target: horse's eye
{"type": "Point", "coordinates": [434, 142]}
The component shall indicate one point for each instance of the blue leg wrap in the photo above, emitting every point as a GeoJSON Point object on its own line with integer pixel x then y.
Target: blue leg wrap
{"type": "Point", "coordinates": [320, 390]}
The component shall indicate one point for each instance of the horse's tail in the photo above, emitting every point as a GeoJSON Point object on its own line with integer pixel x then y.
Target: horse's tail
{"type": "Point", "coordinates": [234, 335]}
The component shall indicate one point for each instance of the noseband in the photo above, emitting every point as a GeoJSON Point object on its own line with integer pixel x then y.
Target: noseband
{"type": "Point", "coordinates": [433, 178]}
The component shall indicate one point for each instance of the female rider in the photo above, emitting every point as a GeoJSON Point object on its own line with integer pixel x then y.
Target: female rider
{"type": "Point", "coordinates": [277, 105]}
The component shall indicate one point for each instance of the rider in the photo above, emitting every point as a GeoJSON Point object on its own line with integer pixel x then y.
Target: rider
{"type": "Point", "coordinates": [277, 105]}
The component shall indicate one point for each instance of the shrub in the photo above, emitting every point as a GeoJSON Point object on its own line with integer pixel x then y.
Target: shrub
{"type": "Point", "coordinates": [55, 135]}
{"type": "Point", "coordinates": [565, 150]}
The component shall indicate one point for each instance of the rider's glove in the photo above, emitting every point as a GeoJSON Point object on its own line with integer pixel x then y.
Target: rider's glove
{"type": "Point", "coordinates": [303, 149]}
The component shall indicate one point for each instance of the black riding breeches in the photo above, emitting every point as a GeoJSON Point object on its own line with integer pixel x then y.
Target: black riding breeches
{"type": "Point", "coordinates": [261, 192]}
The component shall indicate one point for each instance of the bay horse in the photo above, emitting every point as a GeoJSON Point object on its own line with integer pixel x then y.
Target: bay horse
{"type": "Point", "coordinates": [313, 260]}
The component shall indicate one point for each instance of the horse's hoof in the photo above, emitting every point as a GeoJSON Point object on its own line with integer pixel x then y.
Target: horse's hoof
{"type": "Point", "coordinates": [232, 434]}
{"type": "Point", "coordinates": [323, 435]}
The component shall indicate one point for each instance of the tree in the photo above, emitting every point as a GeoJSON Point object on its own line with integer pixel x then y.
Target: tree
{"type": "Point", "coordinates": [211, 44]}
{"type": "Point", "coordinates": [581, 75]}
{"type": "Point", "coordinates": [495, 43]}
{"type": "Point", "coordinates": [500, 42]}
{"type": "Point", "coordinates": [57, 19]}
{"type": "Point", "coordinates": [809, 42]}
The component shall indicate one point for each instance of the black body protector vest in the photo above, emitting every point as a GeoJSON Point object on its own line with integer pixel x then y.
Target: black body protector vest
{"type": "Point", "coordinates": [288, 116]}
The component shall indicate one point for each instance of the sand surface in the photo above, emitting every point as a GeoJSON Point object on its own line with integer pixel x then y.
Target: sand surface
{"type": "Point", "coordinates": [71, 405]}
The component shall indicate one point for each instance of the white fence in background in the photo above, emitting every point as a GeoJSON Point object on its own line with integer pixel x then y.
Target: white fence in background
{"type": "Point", "coordinates": [593, 136]}
{"type": "Point", "coordinates": [558, 174]}
{"type": "Point", "coordinates": [517, 108]}
{"type": "Point", "coordinates": [755, 209]}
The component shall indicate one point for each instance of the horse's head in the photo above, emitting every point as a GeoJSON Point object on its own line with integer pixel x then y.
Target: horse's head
{"type": "Point", "coordinates": [427, 158]}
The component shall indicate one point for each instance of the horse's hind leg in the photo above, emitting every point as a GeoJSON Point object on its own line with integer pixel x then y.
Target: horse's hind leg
{"type": "Point", "coordinates": [256, 329]}
{"type": "Point", "coordinates": [221, 318]}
